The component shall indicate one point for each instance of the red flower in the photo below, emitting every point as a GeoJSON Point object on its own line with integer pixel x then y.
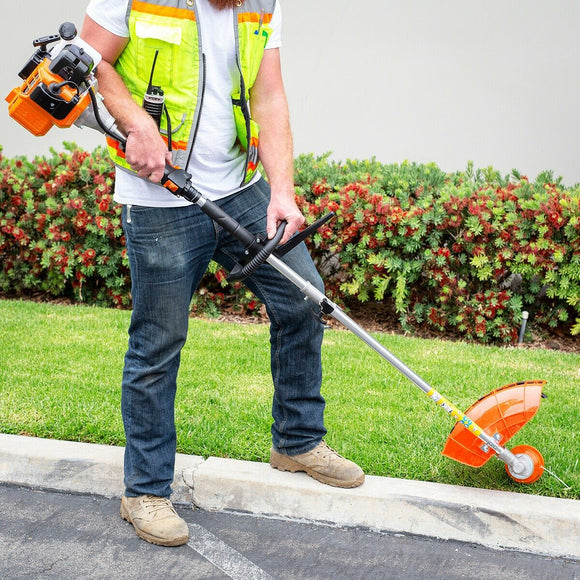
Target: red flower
{"type": "Point", "coordinates": [117, 299]}
{"type": "Point", "coordinates": [320, 188]}
{"type": "Point", "coordinates": [43, 170]}
{"type": "Point", "coordinates": [88, 257]}
{"type": "Point", "coordinates": [555, 219]}
{"type": "Point", "coordinates": [76, 203]}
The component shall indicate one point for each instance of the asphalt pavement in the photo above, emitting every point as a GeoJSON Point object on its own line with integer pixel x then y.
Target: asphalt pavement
{"type": "Point", "coordinates": [59, 518]}
{"type": "Point", "coordinates": [52, 535]}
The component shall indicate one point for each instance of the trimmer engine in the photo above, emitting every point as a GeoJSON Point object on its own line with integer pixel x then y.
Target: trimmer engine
{"type": "Point", "coordinates": [57, 82]}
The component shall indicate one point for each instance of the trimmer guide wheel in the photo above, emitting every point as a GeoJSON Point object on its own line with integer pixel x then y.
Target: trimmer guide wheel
{"type": "Point", "coordinates": [533, 460]}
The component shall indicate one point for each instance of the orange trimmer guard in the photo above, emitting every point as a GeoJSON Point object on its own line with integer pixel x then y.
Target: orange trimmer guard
{"type": "Point", "coordinates": [501, 414]}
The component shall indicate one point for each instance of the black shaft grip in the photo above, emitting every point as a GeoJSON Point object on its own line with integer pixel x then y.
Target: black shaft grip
{"type": "Point", "coordinates": [264, 252]}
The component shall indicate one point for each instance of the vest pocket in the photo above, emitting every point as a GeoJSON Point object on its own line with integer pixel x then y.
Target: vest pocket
{"type": "Point", "coordinates": [253, 39]}
{"type": "Point", "coordinates": [152, 37]}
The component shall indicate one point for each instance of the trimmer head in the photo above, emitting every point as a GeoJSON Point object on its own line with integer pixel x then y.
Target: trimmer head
{"type": "Point", "coordinates": [501, 414]}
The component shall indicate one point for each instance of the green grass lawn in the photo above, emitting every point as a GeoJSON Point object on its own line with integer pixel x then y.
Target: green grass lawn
{"type": "Point", "coordinates": [60, 376]}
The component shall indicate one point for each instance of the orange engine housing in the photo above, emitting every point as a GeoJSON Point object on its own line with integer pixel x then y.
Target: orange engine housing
{"type": "Point", "coordinates": [23, 109]}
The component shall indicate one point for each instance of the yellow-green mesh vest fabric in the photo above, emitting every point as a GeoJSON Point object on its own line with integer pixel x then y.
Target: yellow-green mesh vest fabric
{"type": "Point", "coordinates": [170, 29]}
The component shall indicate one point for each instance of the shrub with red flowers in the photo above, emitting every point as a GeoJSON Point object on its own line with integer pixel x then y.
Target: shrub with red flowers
{"type": "Point", "coordinates": [60, 232]}
{"type": "Point", "coordinates": [466, 252]}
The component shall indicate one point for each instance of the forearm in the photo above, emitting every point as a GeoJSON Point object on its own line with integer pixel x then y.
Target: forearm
{"type": "Point", "coordinates": [270, 110]}
{"type": "Point", "coordinates": [276, 154]}
{"type": "Point", "coordinates": [128, 114]}
{"type": "Point", "coordinates": [276, 143]}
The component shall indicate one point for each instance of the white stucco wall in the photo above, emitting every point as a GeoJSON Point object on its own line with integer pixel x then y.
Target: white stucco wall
{"type": "Point", "coordinates": [493, 81]}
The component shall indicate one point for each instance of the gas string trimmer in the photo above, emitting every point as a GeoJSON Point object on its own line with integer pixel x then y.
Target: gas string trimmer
{"type": "Point", "coordinates": [60, 89]}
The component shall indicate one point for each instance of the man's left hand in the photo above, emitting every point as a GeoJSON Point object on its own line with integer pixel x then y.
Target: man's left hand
{"type": "Point", "coordinates": [283, 208]}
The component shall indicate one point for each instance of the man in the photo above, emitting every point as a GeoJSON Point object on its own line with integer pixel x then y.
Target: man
{"type": "Point", "coordinates": [214, 61]}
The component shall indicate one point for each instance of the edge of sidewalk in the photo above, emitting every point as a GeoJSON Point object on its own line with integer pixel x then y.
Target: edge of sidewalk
{"type": "Point", "coordinates": [496, 519]}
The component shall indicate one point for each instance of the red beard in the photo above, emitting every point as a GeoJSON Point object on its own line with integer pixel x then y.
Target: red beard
{"type": "Point", "coordinates": [225, 4]}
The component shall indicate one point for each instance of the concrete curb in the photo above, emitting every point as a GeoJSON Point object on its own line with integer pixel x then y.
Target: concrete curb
{"type": "Point", "coordinates": [78, 467]}
{"type": "Point", "coordinates": [539, 525]}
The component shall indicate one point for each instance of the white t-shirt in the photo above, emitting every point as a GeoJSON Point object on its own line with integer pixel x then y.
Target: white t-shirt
{"type": "Point", "coordinates": [217, 162]}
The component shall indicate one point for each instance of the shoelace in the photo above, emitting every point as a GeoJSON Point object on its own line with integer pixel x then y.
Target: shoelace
{"type": "Point", "coordinates": [154, 504]}
{"type": "Point", "coordinates": [325, 450]}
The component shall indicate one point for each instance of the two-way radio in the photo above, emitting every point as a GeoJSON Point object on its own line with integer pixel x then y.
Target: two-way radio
{"type": "Point", "coordinates": [154, 98]}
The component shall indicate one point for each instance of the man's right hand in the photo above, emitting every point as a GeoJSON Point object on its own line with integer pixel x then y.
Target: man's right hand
{"type": "Point", "coordinates": [146, 151]}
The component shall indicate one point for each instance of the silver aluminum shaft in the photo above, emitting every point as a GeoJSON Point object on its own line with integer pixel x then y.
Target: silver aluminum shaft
{"type": "Point", "coordinates": [516, 465]}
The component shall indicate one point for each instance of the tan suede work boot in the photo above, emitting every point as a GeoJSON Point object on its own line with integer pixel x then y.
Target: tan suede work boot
{"type": "Point", "coordinates": [323, 464]}
{"type": "Point", "coordinates": [155, 520]}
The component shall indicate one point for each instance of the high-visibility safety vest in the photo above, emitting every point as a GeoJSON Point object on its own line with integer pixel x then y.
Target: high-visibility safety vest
{"type": "Point", "coordinates": [169, 29]}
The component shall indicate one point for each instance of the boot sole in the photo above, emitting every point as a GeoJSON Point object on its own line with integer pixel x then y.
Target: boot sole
{"type": "Point", "coordinates": [179, 541]}
{"type": "Point", "coordinates": [286, 463]}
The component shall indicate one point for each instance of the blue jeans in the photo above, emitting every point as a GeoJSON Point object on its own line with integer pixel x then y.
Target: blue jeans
{"type": "Point", "coordinates": [169, 250]}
